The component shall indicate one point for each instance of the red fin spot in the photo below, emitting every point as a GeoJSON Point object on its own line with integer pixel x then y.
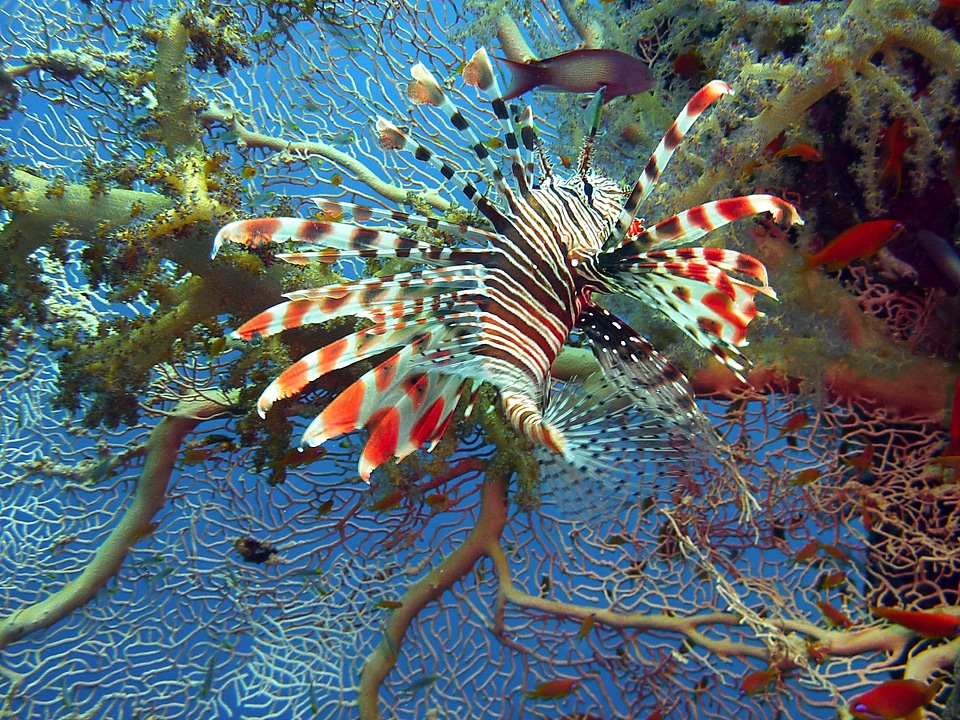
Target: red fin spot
{"type": "Point", "coordinates": [312, 230]}
{"type": "Point", "coordinates": [329, 355]}
{"type": "Point", "coordinates": [385, 373]}
{"type": "Point", "coordinates": [721, 304]}
{"type": "Point", "coordinates": [293, 315]}
{"type": "Point", "coordinates": [293, 379]}
{"type": "Point", "coordinates": [384, 428]}
{"type": "Point", "coordinates": [669, 229]}
{"type": "Point", "coordinates": [424, 430]}
{"type": "Point", "coordinates": [682, 292]}
{"type": "Point", "coordinates": [342, 414]}
{"type": "Point", "coordinates": [416, 387]}
{"type": "Point", "coordinates": [259, 232]}
{"type": "Point", "coordinates": [735, 208]}
{"type": "Point", "coordinates": [710, 325]}
{"type": "Point", "coordinates": [698, 218]}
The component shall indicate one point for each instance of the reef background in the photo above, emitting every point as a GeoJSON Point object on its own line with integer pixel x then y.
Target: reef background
{"type": "Point", "coordinates": [139, 495]}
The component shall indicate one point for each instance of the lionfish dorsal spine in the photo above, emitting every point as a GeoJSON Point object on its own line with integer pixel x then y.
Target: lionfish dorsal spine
{"type": "Point", "coordinates": [479, 73]}
{"type": "Point", "coordinates": [364, 213]}
{"type": "Point", "coordinates": [648, 179]}
{"type": "Point", "coordinates": [426, 89]}
{"type": "Point", "coordinates": [337, 240]}
{"type": "Point", "coordinates": [392, 138]}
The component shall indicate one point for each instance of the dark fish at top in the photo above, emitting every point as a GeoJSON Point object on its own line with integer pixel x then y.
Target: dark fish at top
{"type": "Point", "coordinates": [581, 71]}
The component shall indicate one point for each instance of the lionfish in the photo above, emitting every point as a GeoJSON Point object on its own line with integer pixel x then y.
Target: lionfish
{"type": "Point", "coordinates": [498, 306]}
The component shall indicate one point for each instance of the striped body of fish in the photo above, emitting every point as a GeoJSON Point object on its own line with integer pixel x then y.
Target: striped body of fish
{"type": "Point", "coordinates": [499, 306]}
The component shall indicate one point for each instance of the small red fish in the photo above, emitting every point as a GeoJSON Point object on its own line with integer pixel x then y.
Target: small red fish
{"type": "Point", "coordinates": [758, 681]}
{"type": "Point", "coordinates": [835, 552]}
{"type": "Point", "coordinates": [863, 459]}
{"type": "Point", "coordinates": [894, 699]}
{"type": "Point", "coordinates": [802, 151]}
{"type": "Point", "coordinates": [859, 241]}
{"type": "Point", "coordinates": [144, 531]}
{"type": "Point", "coordinates": [833, 615]}
{"type": "Point", "coordinates": [894, 144]}
{"type": "Point", "coordinates": [388, 501]}
{"type": "Point", "coordinates": [581, 71]}
{"type": "Point", "coordinates": [688, 64]}
{"type": "Point", "coordinates": [832, 580]}
{"type": "Point", "coordinates": [924, 623]}
{"type": "Point", "coordinates": [805, 477]}
{"type": "Point", "coordinates": [553, 689]}
{"type": "Point", "coordinates": [807, 552]}
{"type": "Point", "coordinates": [794, 423]}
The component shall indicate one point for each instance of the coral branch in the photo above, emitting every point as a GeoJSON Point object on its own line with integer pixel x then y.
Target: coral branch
{"type": "Point", "coordinates": [490, 524]}
{"type": "Point", "coordinates": [149, 497]}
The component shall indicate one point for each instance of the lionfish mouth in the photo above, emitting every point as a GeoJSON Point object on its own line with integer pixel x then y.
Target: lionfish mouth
{"type": "Point", "coordinates": [499, 306]}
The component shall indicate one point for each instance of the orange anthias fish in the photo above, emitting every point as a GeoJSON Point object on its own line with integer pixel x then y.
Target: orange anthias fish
{"type": "Point", "coordinates": [924, 623]}
{"type": "Point", "coordinates": [895, 143]}
{"type": "Point", "coordinates": [859, 241]}
{"type": "Point", "coordinates": [553, 689]}
{"type": "Point", "coordinates": [758, 681]}
{"type": "Point", "coordinates": [833, 615]}
{"type": "Point", "coordinates": [802, 151]}
{"type": "Point", "coordinates": [581, 71]}
{"type": "Point", "coordinates": [894, 699]}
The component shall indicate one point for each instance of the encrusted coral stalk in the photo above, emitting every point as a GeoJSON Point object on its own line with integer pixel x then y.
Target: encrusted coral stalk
{"type": "Point", "coordinates": [149, 497]}
{"type": "Point", "coordinates": [490, 524]}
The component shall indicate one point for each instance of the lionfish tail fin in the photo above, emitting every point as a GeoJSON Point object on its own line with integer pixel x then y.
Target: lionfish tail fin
{"type": "Point", "coordinates": [614, 448]}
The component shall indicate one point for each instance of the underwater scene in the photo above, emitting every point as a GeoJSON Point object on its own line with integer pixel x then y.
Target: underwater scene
{"type": "Point", "coordinates": [538, 359]}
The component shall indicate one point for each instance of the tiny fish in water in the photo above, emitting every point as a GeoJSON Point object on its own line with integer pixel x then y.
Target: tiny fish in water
{"type": "Point", "coordinates": [833, 615]}
{"type": "Point", "coordinates": [144, 531]}
{"type": "Point", "coordinates": [553, 689]}
{"type": "Point", "coordinates": [796, 422]}
{"type": "Point", "coordinates": [858, 242]}
{"type": "Point", "coordinates": [390, 501]}
{"type": "Point", "coordinates": [418, 684]}
{"type": "Point", "coordinates": [894, 699]}
{"type": "Point", "coordinates": [895, 143]}
{"type": "Point", "coordinates": [581, 71]}
{"type": "Point", "coordinates": [801, 151]}
{"type": "Point", "coordinates": [586, 626]}
{"type": "Point", "coordinates": [390, 604]}
{"type": "Point", "coordinates": [207, 683]}
{"type": "Point", "coordinates": [805, 477]}
{"type": "Point", "coordinates": [340, 138]}
{"type": "Point", "coordinates": [924, 623]}
{"type": "Point", "coordinates": [832, 580]}
{"type": "Point", "coordinates": [863, 459]}
{"type": "Point", "coordinates": [758, 681]}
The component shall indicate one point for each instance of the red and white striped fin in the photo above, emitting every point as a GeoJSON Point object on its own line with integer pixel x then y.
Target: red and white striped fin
{"type": "Point", "coordinates": [363, 213]}
{"type": "Point", "coordinates": [340, 240]}
{"type": "Point", "coordinates": [694, 108]}
{"type": "Point", "coordinates": [693, 224]}
{"type": "Point", "coordinates": [402, 408]}
{"type": "Point", "coordinates": [363, 298]}
{"type": "Point", "coordinates": [713, 317]}
{"type": "Point", "coordinates": [479, 73]}
{"type": "Point", "coordinates": [336, 355]}
{"type": "Point", "coordinates": [413, 414]}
